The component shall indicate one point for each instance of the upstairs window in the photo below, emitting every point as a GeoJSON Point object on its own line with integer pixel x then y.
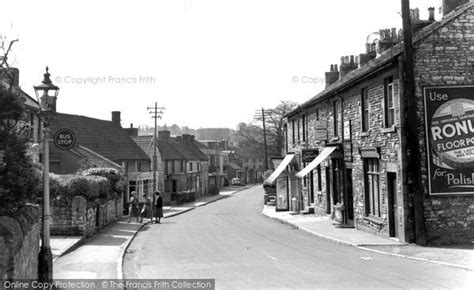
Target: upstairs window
{"type": "Point", "coordinates": [304, 127]}
{"type": "Point", "coordinates": [138, 166]}
{"type": "Point", "coordinates": [336, 118]}
{"type": "Point", "coordinates": [364, 103]}
{"type": "Point", "coordinates": [389, 100]}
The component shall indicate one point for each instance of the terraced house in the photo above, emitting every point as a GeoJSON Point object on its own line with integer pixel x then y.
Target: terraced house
{"type": "Point", "coordinates": [347, 146]}
{"type": "Point", "coordinates": [181, 166]}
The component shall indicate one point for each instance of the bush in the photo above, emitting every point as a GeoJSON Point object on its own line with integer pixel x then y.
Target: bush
{"type": "Point", "coordinates": [68, 186]}
{"type": "Point", "coordinates": [20, 177]}
{"type": "Point", "coordinates": [114, 177]}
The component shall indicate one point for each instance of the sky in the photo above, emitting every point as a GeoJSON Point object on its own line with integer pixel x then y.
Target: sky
{"type": "Point", "coordinates": [209, 63]}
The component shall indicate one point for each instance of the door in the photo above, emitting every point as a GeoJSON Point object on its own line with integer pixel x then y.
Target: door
{"type": "Point", "coordinates": [328, 191]}
{"type": "Point", "coordinates": [349, 197]}
{"type": "Point", "coordinates": [392, 204]}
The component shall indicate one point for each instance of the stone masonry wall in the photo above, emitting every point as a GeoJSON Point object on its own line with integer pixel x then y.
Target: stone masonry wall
{"type": "Point", "coordinates": [445, 58]}
{"type": "Point", "coordinates": [19, 244]}
{"type": "Point", "coordinates": [80, 217]}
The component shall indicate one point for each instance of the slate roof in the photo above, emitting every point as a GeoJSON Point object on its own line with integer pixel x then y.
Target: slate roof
{"type": "Point", "coordinates": [385, 59]}
{"type": "Point", "coordinates": [100, 136]}
{"type": "Point", "coordinates": [171, 149]}
{"type": "Point", "coordinates": [94, 157]}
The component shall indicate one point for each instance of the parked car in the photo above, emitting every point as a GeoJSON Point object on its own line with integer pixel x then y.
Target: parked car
{"type": "Point", "coordinates": [270, 193]}
{"type": "Point", "coordinates": [235, 181]}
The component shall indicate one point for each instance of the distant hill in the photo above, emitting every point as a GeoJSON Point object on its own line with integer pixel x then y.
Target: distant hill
{"type": "Point", "coordinates": [200, 134]}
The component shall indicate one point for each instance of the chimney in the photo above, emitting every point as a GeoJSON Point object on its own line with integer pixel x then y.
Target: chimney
{"type": "Point", "coordinates": [431, 14]}
{"type": "Point", "coordinates": [133, 132]}
{"type": "Point", "coordinates": [348, 63]}
{"type": "Point", "coordinates": [332, 75]}
{"type": "Point", "coordinates": [187, 138]}
{"type": "Point", "coordinates": [416, 23]}
{"type": "Point", "coordinates": [390, 37]}
{"type": "Point", "coordinates": [116, 118]}
{"type": "Point", "coordinates": [179, 138]}
{"type": "Point", "coordinates": [163, 135]}
{"type": "Point", "coordinates": [449, 5]}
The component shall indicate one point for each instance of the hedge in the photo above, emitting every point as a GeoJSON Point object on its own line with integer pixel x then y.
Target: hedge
{"type": "Point", "coordinates": [113, 176]}
{"type": "Point", "coordinates": [68, 186]}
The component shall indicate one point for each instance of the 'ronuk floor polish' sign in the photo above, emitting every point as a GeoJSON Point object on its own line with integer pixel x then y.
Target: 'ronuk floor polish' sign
{"type": "Point", "coordinates": [449, 119]}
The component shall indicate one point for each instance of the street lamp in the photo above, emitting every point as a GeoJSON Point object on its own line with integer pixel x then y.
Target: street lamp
{"type": "Point", "coordinates": [46, 94]}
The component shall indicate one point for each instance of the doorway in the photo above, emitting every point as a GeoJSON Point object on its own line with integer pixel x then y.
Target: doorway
{"type": "Point", "coordinates": [392, 204]}
{"type": "Point", "coordinates": [328, 190]}
{"type": "Point", "coordinates": [349, 197]}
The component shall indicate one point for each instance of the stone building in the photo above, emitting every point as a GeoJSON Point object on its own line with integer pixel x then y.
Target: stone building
{"type": "Point", "coordinates": [347, 146]}
{"type": "Point", "coordinates": [181, 166]}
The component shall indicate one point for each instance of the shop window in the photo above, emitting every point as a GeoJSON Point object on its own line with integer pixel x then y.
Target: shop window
{"type": "Point", "coordinates": [364, 103]}
{"type": "Point", "coordinates": [372, 187]}
{"type": "Point", "coordinates": [389, 101]}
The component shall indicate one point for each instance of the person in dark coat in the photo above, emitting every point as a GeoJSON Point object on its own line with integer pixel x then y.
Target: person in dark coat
{"type": "Point", "coordinates": [158, 213]}
{"type": "Point", "coordinates": [146, 209]}
{"type": "Point", "coordinates": [133, 207]}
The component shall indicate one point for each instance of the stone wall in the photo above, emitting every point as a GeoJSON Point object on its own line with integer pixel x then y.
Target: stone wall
{"type": "Point", "coordinates": [19, 244]}
{"type": "Point", "coordinates": [445, 58]}
{"type": "Point", "coordinates": [82, 218]}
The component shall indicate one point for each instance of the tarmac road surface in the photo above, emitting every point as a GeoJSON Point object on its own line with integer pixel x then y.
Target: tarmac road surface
{"type": "Point", "coordinates": [232, 242]}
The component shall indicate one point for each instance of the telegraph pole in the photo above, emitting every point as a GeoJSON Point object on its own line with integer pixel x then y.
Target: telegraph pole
{"type": "Point", "coordinates": [414, 171]}
{"type": "Point", "coordinates": [156, 113]}
{"type": "Point", "coordinates": [264, 137]}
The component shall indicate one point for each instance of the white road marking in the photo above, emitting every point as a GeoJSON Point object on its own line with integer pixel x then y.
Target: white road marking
{"type": "Point", "coordinates": [273, 258]}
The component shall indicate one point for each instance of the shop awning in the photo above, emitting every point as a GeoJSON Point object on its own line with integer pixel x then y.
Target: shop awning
{"type": "Point", "coordinates": [280, 168]}
{"type": "Point", "coordinates": [316, 161]}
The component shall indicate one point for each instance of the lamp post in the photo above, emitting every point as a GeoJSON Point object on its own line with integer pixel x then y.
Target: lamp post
{"type": "Point", "coordinates": [46, 94]}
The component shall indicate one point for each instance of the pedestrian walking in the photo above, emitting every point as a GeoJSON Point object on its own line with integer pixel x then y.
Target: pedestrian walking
{"type": "Point", "coordinates": [133, 207]}
{"type": "Point", "coordinates": [146, 208]}
{"type": "Point", "coordinates": [158, 207]}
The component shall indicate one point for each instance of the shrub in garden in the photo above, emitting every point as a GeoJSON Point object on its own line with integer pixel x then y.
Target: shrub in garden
{"type": "Point", "coordinates": [114, 177]}
{"type": "Point", "coordinates": [65, 187]}
{"type": "Point", "coordinates": [20, 177]}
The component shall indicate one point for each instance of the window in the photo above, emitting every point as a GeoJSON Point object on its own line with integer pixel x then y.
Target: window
{"type": "Point", "coordinates": [198, 166]}
{"type": "Point", "coordinates": [320, 187]}
{"type": "Point", "coordinates": [336, 119]}
{"type": "Point", "coordinates": [364, 103]}
{"type": "Point", "coordinates": [299, 134]}
{"type": "Point", "coordinates": [138, 166]}
{"type": "Point", "coordinates": [389, 107]}
{"type": "Point", "coordinates": [372, 187]}
{"type": "Point", "coordinates": [293, 130]}
{"type": "Point", "coordinates": [190, 166]}
{"type": "Point", "coordinates": [304, 127]}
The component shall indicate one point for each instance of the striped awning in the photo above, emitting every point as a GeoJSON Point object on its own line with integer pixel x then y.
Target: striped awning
{"type": "Point", "coordinates": [280, 168]}
{"type": "Point", "coordinates": [316, 161]}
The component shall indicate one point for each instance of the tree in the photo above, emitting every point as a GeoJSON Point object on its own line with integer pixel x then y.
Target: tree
{"type": "Point", "coordinates": [250, 136]}
{"type": "Point", "coordinates": [20, 177]}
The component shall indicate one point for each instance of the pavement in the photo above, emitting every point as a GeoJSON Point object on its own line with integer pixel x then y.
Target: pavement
{"type": "Point", "coordinates": [76, 258]}
{"type": "Point", "coordinates": [460, 256]}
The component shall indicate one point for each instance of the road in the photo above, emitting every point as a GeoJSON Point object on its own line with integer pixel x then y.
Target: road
{"type": "Point", "coordinates": [232, 242]}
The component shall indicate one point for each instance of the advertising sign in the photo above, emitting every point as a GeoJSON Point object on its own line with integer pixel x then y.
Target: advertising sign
{"type": "Point", "coordinates": [449, 119]}
{"type": "Point", "coordinates": [64, 139]}
{"type": "Point", "coordinates": [308, 155]}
